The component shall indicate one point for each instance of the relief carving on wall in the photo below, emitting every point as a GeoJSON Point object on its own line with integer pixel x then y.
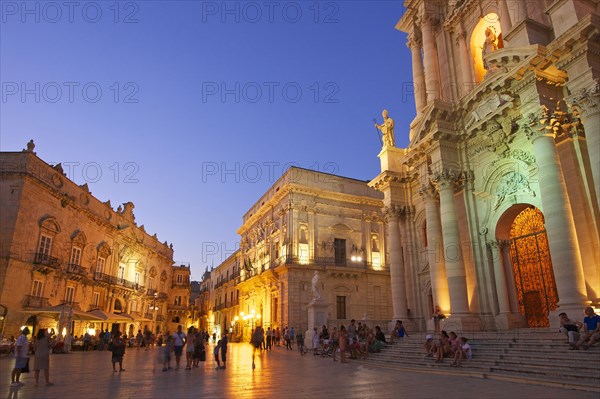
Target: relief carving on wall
{"type": "Point", "coordinates": [510, 184]}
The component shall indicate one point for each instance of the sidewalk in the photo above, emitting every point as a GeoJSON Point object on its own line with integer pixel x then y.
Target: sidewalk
{"type": "Point", "coordinates": [278, 374]}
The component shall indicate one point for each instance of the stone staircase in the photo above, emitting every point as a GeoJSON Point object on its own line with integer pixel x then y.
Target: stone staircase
{"type": "Point", "coordinates": [531, 356]}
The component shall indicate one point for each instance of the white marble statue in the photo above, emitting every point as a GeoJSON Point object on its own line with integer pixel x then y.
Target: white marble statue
{"type": "Point", "coordinates": [315, 286]}
{"type": "Point", "coordinates": [387, 130]}
{"type": "Point", "coordinates": [490, 45]}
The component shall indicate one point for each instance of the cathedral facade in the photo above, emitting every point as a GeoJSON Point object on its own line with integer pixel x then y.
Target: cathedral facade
{"type": "Point", "coordinates": [493, 208]}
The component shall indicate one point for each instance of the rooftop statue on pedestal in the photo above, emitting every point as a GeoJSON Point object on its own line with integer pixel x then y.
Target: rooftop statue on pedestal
{"type": "Point", "coordinates": [387, 130]}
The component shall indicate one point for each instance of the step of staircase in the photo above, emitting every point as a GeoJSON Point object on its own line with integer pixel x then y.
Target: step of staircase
{"type": "Point", "coordinates": [535, 357]}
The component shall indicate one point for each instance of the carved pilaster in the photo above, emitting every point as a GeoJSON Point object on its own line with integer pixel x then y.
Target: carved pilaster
{"type": "Point", "coordinates": [445, 178]}
{"type": "Point", "coordinates": [460, 37]}
{"type": "Point", "coordinates": [392, 212]}
{"type": "Point", "coordinates": [428, 191]}
{"type": "Point", "coordinates": [587, 101]}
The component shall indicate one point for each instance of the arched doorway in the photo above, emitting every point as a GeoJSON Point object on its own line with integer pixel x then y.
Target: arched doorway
{"type": "Point", "coordinates": [532, 267]}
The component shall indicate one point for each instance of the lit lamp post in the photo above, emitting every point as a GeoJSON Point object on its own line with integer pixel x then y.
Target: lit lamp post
{"type": "Point", "coordinates": [154, 309]}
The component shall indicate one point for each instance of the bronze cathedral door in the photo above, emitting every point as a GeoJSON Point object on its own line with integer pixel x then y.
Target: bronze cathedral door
{"type": "Point", "coordinates": [532, 267]}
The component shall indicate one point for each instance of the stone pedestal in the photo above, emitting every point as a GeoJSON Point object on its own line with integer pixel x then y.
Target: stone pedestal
{"type": "Point", "coordinates": [461, 324]}
{"type": "Point", "coordinates": [317, 315]}
{"type": "Point", "coordinates": [510, 321]}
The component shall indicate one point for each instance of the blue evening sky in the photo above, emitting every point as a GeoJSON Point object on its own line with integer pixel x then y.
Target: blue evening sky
{"type": "Point", "coordinates": [192, 109]}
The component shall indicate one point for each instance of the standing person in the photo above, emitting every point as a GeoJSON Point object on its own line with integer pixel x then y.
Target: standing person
{"type": "Point", "coordinates": [189, 348]}
{"type": "Point", "coordinates": [257, 338]}
{"type": "Point", "coordinates": [216, 354]}
{"type": "Point", "coordinates": [269, 337]}
{"type": "Point", "coordinates": [118, 350]}
{"type": "Point", "coordinates": [168, 348]}
{"type": "Point", "coordinates": [292, 336]}
{"type": "Point", "coordinates": [277, 337]}
{"type": "Point", "coordinates": [106, 338]}
{"type": "Point", "coordinates": [315, 341]}
{"type": "Point", "coordinates": [224, 341]}
{"type": "Point", "coordinates": [179, 340]}
{"type": "Point", "coordinates": [41, 360]}
{"type": "Point", "coordinates": [335, 341]}
{"type": "Point", "coordinates": [437, 316]}
{"type": "Point", "coordinates": [352, 332]}
{"type": "Point", "coordinates": [21, 357]}
{"type": "Point", "coordinates": [199, 351]}
{"type": "Point", "coordinates": [139, 339]}
{"type": "Point", "coordinates": [286, 337]}
{"type": "Point", "coordinates": [86, 341]}
{"type": "Point", "coordinates": [343, 340]}
{"type": "Point", "coordinates": [100, 340]}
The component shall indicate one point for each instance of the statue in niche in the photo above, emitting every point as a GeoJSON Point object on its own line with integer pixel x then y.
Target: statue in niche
{"type": "Point", "coordinates": [387, 130]}
{"type": "Point", "coordinates": [315, 287]}
{"type": "Point", "coordinates": [489, 45]}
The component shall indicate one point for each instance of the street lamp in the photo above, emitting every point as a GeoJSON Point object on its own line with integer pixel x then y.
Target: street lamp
{"type": "Point", "coordinates": [154, 309]}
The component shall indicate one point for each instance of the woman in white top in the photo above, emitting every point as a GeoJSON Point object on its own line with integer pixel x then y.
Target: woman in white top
{"type": "Point", "coordinates": [463, 353]}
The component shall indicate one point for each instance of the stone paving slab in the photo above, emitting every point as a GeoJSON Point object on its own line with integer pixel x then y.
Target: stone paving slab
{"type": "Point", "coordinates": [279, 374]}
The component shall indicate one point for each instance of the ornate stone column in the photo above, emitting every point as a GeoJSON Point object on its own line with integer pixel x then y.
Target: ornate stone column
{"type": "Point", "coordinates": [407, 252]}
{"type": "Point", "coordinates": [465, 63]}
{"type": "Point", "coordinates": [560, 227]}
{"type": "Point", "coordinates": [437, 270]}
{"type": "Point", "coordinates": [455, 267]}
{"type": "Point", "coordinates": [495, 248]}
{"type": "Point", "coordinates": [588, 103]}
{"type": "Point", "coordinates": [397, 272]}
{"type": "Point", "coordinates": [417, 72]}
{"type": "Point", "coordinates": [430, 57]}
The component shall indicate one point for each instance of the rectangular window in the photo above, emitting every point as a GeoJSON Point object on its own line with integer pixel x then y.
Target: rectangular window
{"type": "Point", "coordinates": [37, 290]}
{"type": "Point", "coordinates": [137, 277]}
{"type": "Point", "coordinates": [75, 256]}
{"type": "Point", "coordinates": [100, 265]}
{"type": "Point", "coordinates": [134, 306]}
{"type": "Point", "coordinates": [162, 286]}
{"type": "Point", "coordinates": [121, 272]}
{"type": "Point", "coordinates": [179, 279]}
{"type": "Point", "coordinates": [303, 253]}
{"type": "Point", "coordinates": [341, 307]}
{"type": "Point", "coordinates": [151, 283]}
{"type": "Point", "coordinates": [339, 246]}
{"type": "Point", "coordinates": [70, 294]}
{"type": "Point", "coordinates": [96, 299]}
{"type": "Point", "coordinates": [376, 260]}
{"type": "Point", "coordinates": [177, 301]}
{"type": "Point", "coordinates": [45, 245]}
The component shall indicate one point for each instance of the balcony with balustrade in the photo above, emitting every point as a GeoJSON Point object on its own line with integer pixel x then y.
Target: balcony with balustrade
{"type": "Point", "coordinates": [45, 263]}
{"type": "Point", "coordinates": [31, 301]}
{"type": "Point", "coordinates": [77, 272]}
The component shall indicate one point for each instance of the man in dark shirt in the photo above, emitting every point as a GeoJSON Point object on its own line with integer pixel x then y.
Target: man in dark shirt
{"type": "Point", "coordinates": [379, 335]}
{"type": "Point", "coordinates": [224, 350]}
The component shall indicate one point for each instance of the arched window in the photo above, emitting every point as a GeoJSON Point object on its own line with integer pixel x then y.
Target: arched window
{"type": "Point", "coordinates": [486, 31]}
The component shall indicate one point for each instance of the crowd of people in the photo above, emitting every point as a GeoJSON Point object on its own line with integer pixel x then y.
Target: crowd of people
{"type": "Point", "coordinates": [354, 341]}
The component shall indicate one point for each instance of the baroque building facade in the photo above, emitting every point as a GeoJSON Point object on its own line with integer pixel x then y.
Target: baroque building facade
{"type": "Point", "coordinates": [311, 221]}
{"type": "Point", "coordinates": [494, 205]}
{"type": "Point", "coordinates": [61, 245]}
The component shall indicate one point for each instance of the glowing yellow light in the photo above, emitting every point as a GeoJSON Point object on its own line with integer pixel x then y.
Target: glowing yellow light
{"type": "Point", "coordinates": [64, 331]}
{"type": "Point", "coordinates": [91, 331]}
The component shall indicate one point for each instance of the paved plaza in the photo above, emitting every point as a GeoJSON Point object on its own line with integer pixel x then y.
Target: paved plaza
{"type": "Point", "coordinates": [279, 374]}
